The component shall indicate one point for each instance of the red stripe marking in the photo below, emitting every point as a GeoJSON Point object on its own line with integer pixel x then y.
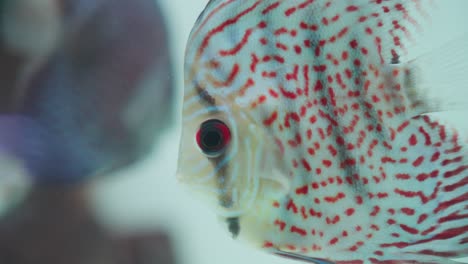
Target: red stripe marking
{"type": "Point", "coordinates": [375, 211]}
{"type": "Point", "coordinates": [388, 160]}
{"type": "Point", "coordinates": [352, 8]}
{"type": "Point", "coordinates": [413, 140]}
{"type": "Point", "coordinates": [291, 247]}
{"type": "Point", "coordinates": [455, 172]}
{"type": "Point", "coordinates": [435, 156]}
{"type": "Point", "coordinates": [333, 241]}
{"type": "Point", "coordinates": [270, 8]}
{"type": "Point", "coordinates": [213, 64]}
{"type": "Point", "coordinates": [382, 195]}
{"type": "Point", "coordinates": [453, 187]}
{"type": "Point", "coordinates": [314, 213]}
{"type": "Point", "coordinates": [396, 244]}
{"type": "Point", "coordinates": [403, 176]}
{"type": "Point", "coordinates": [424, 176]}
{"type": "Point", "coordinates": [446, 204]}
{"type": "Point", "coordinates": [246, 86]}
{"type": "Point", "coordinates": [444, 235]}
{"type": "Point", "coordinates": [444, 254]}
{"type": "Point", "coordinates": [239, 46]}
{"type": "Point", "coordinates": [262, 24]}
{"type": "Point", "coordinates": [303, 212]}
{"type": "Point", "coordinates": [453, 150]}
{"type": "Point", "coordinates": [348, 162]}
{"type": "Point", "coordinates": [450, 161]}
{"type": "Point", "coordinates": [452, 217]}
{"type": "Point", "coordinates": [407, 211]}
{"type": "Point", "coordinates": [306, 165]}
{"type": "Point", "coordinates": [359, 200]}
{"type": "Point", "coordinates": [225, 24]}
{"type": "Point", "coordinates": [349, 211]}
{"type": "Point", "coordinates": [280, 145]}
{"type": "Point", "coordinates": [334, 199]}
{"type": "Point", "coordinates": [281, 31]}
{"type": "Point", "coordinates": [333, 221]}
{"type": "Point", "coordinates": [280, 223]}
{"type": "Point", "coordinates": [255, 61]}
{"type": "Point", "coordinates": [297, 230]}
{"type": "Point", "coordinates": [305, 71]}
{"type": "Point", "coordinates": [290, 11]}
{"type": "Point", "coordinates": [291, 205]}
{"type": "Point", "coordinates": [442, 133]}
{"type": "Point", "coordinates": [408, 229]}
{"type": "Point", "coordinates": [269, 121]}
{"type": "Point", "coordinates": [418, 161]}
{"type": "Point", "coordinates": [328, 117]}
{"type": "Point", "coordinates": [447, 234]}
{"type": "Point", "coordinates": [422, 196]}
{"type": "Point", "coordinates": [422, 218]}
{"type": "Point", "coordinates": [293, 75]}
{"type": "Point", "coordinates": [302, 190]}
{"type": "Point", "coordinates": [278, 58]}
{"type": "Point", "coordinates": [429, 230]}
{"type": "Point", "coordinates": [216, 10]}
{"type": "Point", "coordinates": [305, 4]}
{"type": "Point", "coordinates": [426, 135]}
{"type": "Point", "coordinates": [268, 244]}
{"type": "Point", "coordinates": [281, 46]}
{"type": "Point", "coordinates": [287, 94]}
{"type": "Point", "coordinates": [403, 126]}
{"type": "Point", "coordinates": [320, 68]}
{"type": "Point", "coordinates": [327, 163]}
{"type": "Point", "coordinates": [230, 79]}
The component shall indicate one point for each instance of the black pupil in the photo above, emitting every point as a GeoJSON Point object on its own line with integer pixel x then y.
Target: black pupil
{"type": "Point", "coordinates": [212, 139]}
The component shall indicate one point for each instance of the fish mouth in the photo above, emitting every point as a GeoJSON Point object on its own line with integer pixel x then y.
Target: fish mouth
{"type": "Point", "coordinates": [233, 225]}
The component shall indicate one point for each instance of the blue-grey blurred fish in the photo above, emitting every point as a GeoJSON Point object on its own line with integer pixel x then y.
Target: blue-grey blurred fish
{"type": "Point", "coordinates": [96, 99]}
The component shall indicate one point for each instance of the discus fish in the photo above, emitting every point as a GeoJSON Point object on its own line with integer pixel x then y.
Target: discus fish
{"type": "Point", "coordinates": [305, 126]}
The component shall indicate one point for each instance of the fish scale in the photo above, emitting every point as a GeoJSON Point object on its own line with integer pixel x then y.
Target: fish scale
{"type": "Point", "coordinates": [337, 160]}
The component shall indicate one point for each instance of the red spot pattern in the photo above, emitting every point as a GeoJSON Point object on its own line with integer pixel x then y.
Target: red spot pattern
{"type": "Point", "coordinates": [342, 122]}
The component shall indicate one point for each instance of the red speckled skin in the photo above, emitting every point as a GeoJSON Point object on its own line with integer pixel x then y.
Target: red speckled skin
{"type": "Point", "coordinates": [354, 172]}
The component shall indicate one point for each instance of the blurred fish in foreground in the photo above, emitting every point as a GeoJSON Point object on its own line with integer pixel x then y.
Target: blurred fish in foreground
{"type": "Point", "coordinates": [85, 89]}
{"type": "Point", "coordinates": [55, 226]}
{"type": "Point", "coordinates": [89, 86]}
{"type": "Point", "coordinates": [306, 126]}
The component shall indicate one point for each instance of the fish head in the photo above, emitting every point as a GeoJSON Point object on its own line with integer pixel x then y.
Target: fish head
{"type": "Point", "coordinates": [226, 155]}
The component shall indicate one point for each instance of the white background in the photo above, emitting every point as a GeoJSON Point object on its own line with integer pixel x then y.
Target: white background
{"type": "Point", "coordinates": [148, 196]}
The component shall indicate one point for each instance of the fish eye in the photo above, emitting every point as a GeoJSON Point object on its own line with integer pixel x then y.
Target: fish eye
{"type": "Point", "coordinates": [213, 137]}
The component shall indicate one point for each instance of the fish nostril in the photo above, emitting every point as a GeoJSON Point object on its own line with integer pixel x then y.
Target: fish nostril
{"type": "Point", "coordinates": [213, 137]}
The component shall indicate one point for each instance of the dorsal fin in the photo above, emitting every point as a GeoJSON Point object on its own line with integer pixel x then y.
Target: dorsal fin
{"type": "Point", "coordinates": [441, 75]}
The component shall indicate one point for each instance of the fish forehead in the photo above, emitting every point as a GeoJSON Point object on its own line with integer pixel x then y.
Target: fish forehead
{"type": "Point", "coordinates": [266, 56]}
{"type": "Point", "coordinates": [298, 67]}
{"type": "Point", "coordinates": [367, 181]}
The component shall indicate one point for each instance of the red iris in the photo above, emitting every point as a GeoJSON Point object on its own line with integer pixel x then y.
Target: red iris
{"type": "Point", "coordinates": [213, 137]}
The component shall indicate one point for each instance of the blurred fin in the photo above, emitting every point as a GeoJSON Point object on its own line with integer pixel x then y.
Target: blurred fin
{"type": "Point", "coordinates": [301, 257]}
{"type": "Point", "coordinates": [441, 76]}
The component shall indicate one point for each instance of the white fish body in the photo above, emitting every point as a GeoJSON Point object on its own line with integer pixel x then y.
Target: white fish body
{"type": "Point", "coordinates": [304, 127]}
